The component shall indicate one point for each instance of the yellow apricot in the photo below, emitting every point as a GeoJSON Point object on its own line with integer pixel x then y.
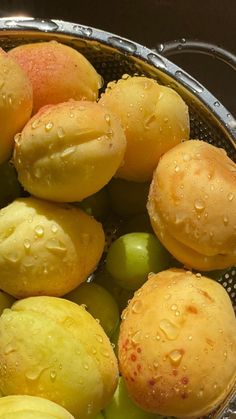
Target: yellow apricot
{"type": "Point", "coordinates": [57, 73]}
{"type": "Point", "coordinates": [53, 348]}
{"type": "Point", "coordinates": [69, 151]}
{"type": "Point", "coordinates": [46, 249]}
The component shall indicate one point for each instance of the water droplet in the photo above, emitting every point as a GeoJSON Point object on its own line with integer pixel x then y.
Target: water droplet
{"type": "Point", "coordinates": [10, 99]}
{"type": "Point", "coordinates": [225, 220]}
{"type": "Point", "coordinates": [177, 313]}
{"type": "Point", "coordinates": [107, 118]}
{"type": "Point", "coordinates": [167, 296]}
{"type": "Point", "coordinates": [56, 246]}
{"type": "Point", "coordinates": [170, 330]}
{"type": "Point", "coordinates": [53, 375]}
{"type": "Point", "coordinates": [200, 393]}
{"type": "Point", "coordinates": [49, 126]}
{"type": "Point", "coordinates": [86, 367]}
{"type": "Point", "coordinates": [158, 337]}
{"type": "Point", "coordinates": [37, 172]}
{"type": "Point", "coordinates": [160, 47]}
{"type": "Point", "coordinates": [174, 307]}
{"type": "Point", "coordinates": [83, 30]}
{"type": "Point", "coordinates": [12, 257]}
{"type": "Point", "coordinates": [27, 244]}
{"type": "Point", "coordinates": [137, 306]}
{"type": "Point", "coordinates": [175, 356]}
{"type": "Point", "coordinates": [190, 338]}
{"type": "Point", "coordinates": [39, 230]}
{"type": "Point", "coordinates": [34, 373]}
{"type": "Point", "coordinates": [99, 338]}
{"type": "Point", "coordinates": [230, 196]}
{"type": "Point", "coordinates": [9, 349]}
{"type": "Point", "coordinates": [128, 46]}
{"type": "Point", "coordinates": [54, 228]}
{"type": "Point", "coordinates": [136, 337]}
{"type": "Point", "coordinates": [199, 204]}
{"type": "Point", "coordinates": [60, 132]}
{"type": "Point", "coordinates": [156, 60]}
{"type": "Point", "coordinates": [198, 275]}
{"type": "Point", "coordinates": [177, 169]}
{"type": "Point", "coordinates": [155, 364]}
{"type": "Point", "coordinates": [187, 79]}
{"type": "Point", "coordinates": [186, 157]}
{"type": "Point", "coordinates": [68, 151]}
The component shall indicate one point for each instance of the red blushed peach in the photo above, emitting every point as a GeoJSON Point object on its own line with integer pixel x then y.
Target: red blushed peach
{"type": "Point", "coordinates": [57, 73]}
{"type": "Point", "coordinates": [16, 102]}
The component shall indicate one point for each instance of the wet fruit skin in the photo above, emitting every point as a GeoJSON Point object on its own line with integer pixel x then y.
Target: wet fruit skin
{"type": "Point", "coordinates": [46, 249]}
{"type": "Point", "coordinates": [30, 407]}
{"type": "Point", "coordinates": [48, 64]}
{"type": "Point", "coordinates": [192, 205]}
{"type": "Point", "coordinates": [155, 119]}
{"type": "Point", "coordinates": [16, 101]}
{"type": "Point", "coordinates": [99, 303]}
{"type": "Point", "coordinates": [133, 256]}
{"type": "Point", "coordinates": [56, 350]}
{"type": "Point", "coordinates": [69, 151]}
{"type": "Point", "coordinates": [177, 344]}
{"type": "Point", "coordinates": [6, 301]}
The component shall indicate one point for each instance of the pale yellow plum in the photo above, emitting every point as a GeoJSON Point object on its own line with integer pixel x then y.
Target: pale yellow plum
{"type": "Point", "coordinates": [46, 249]}
{"type": "Point", "coordinates": [6, 301]}
{"type": "Point", "coordinates": [57, 73]}
{"type": "Point", "coordinates": [53, 348]}
{"type": "Point", "coordinates": [69, 151]}
{"type": "Point", "coordinates": [177, 345]}
{"type": "Point", "coordinates": [30, 407]}
{"type": "Point", "coordinates": [155, 119]}
{"type": "Point", "coordinates": [16, 101]}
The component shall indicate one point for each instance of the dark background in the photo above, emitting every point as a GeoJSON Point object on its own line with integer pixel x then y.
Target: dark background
{"type": "Point", "coordinates": [151, 22]}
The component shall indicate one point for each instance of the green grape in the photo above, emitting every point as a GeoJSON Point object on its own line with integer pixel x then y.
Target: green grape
{"type": "Point", "coordinates": [128, 198]}
{"type": "Point", "coordinates": [99, 302]}
{"type": "Point", "coordinates": [120, 294]}
{"type": "Point", "coordinates": [97, 205]}
{"type": "Point", "coordinates": [10, 188]}
{"type": "Point", "coordinates": [122, 407]}
{"type": "Point", "coordinates": [6, 301]}
{"type": "Point", "coordinates": [139, 223]}
{"type": "Point", "coordinates": [133, 256]}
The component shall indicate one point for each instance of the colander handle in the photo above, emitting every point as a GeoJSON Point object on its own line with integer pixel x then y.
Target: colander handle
{"type": "Point", "coordinates": [170, 48]}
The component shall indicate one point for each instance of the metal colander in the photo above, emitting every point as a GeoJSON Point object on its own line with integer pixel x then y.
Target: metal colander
{"type": "Point", "coordinates": [112, 57]}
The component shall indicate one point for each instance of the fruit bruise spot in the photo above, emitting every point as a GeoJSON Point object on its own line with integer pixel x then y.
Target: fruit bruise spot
{"type": "Point", "coordinates": [175, 372]}
{"type": "Point", "coordinates": [184, 380]}
{"type": "Point", "coordinates": [192, 309]}
{"type": "Point", "coordinates": [139, 367]}
{"type": "Point", "coordinates": [184, 396]}
{"type": "Point", "coordinates": [133, 357]}
{"type": "Point", "coordinates": [152, 382]}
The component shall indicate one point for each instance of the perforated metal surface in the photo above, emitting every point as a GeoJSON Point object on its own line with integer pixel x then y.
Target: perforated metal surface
{"type": "Point", "coordinates": [112, 57]}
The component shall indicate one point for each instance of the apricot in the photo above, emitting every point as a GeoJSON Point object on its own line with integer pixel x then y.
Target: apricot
{"type": "Point", "coordinates": [53, 348]}
{"type": "Point", "coordinates": [177, 345]}
{"type": "Point", "coordinates": [16, 101]}
{"type": "Point", "coordinates": [30, 407]}
{"type": "Point", "coordinates": [69, 151]}
{"type": "Point", "coordinates": [46, 249]}
{"type": "Point", "coordinates": [154, 117]}
{"type": "Point", "coordinates": [57, 73]}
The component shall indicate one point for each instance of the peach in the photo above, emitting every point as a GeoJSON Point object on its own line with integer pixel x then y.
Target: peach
{"type": "Point", "coordinates": [30, 407]}
{"type": "Point", "coordinates": [54, 349]}
{"type": "Point", "coordinates": [57, 73]}
{"type": "Point", "coordinates": [69, 151]}
{"type": "Point", "coordinates": [177, 345]}
{"type": "Point", "coordinates": [155, 118]}
{"type": "Point", "coordinates": [46, 249]}
{"type": "Point", "coordinates": [16, 101]}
